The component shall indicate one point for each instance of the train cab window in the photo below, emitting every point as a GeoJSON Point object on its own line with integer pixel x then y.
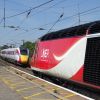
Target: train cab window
{"type": "Point", "coordinates": [55, 35]}
{"type": "Point", "coordinates": [74, 31]}
{"type": "Point", "coordinates": [44, 37]}
{"type": "Point", "coordinates": [63, 34]}
{"type": "Point", "coordinates": [23, 52]}
{"type": "Point", "coordinates": [81, 30]}
{"type": "Point", "coordinates": [69, 32]}
{"type": "Point", "coordinates": [95, 28]}
{"type": "Point", "coordinates": [50, 36]}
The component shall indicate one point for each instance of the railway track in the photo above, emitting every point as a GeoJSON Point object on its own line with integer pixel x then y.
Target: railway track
{"type": "Point", "coordinates": [75, 88]}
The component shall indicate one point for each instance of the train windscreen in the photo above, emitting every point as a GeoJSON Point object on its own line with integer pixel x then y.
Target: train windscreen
{"type": "Point", "coordinates": [24, 52]}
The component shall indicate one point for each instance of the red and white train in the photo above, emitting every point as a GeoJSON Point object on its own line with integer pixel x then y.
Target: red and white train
{"type": "Point", "coordinates": [15, 55]}
{"type": "Point", "coordinates": [72, 54]}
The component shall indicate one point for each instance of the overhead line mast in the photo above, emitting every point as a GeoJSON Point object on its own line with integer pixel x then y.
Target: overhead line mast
{"type": "Point", "coordinates": [4, 14]}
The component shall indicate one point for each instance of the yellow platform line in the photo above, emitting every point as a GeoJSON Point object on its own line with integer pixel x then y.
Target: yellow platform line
{"type": "Point", "coordinates": [5, 79]}
{"type": "Point", "coordinates": [11, 78]}
{"type": "Point", "coordinates": [20, 90]}
{"type": "Point", "coordinates": [70, 95]}
{"type": "Point", "coordinates": [28, 97]}
{"type": "Point", "coordinates": [8, 82]}
{"type": "Point", "coordinates": [44, 84]}
{"type": "Point", "coordinates": [19, 83]}
{"type": "Point", "coordinates": [53, 89]}
{"type": "Point", "coordinates": [14, 87]}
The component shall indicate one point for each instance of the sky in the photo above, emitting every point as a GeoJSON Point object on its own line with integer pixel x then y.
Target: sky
{"type": "Point", "coordinates": [25, 18]}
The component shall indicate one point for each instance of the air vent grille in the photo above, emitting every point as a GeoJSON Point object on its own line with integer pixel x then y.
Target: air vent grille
{"type": "Point", "coordinates": [92, 61]}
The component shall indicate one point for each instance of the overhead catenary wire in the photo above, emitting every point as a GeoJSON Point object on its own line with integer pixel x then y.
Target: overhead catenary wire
{"type": "Point", "coordinates": [71, 16]}
{"type": "Point", "coordinates": [30, 9]}
{"type": "Point", "coordinates": [53, 23]}
{"type": "Point", "coordinates": [40, 27]}
{"type": "Point", "coordinates": [1, 20]}
{"type": "Point", "coordinates": [81, 13]}
{"type": "Point", "coordinates": [27, 11]}
{"type": "Point", "coordinates": [47, 8]}
{"type": "Point", "coordinates": [86, 11]}
{"type": "Point", "coordinates": [56, 22]}
{"type": "Point", "coordinates": [65, 18]}
{"type": "Point", "coordinates": [91, 12]}
{"type": "Point", "coordinates": [50, 7]}
{"type": "Point", "coordinates": [59, 21]}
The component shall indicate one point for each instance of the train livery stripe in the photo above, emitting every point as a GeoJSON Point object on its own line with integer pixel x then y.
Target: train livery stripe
{"type": "Point", "coordinates": [50, 52]}
{"type": "Point", "coordinates": [71, 64]}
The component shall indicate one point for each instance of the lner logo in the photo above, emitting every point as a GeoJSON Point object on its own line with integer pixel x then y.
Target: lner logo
{"type": "Point", "coordinates": [44, 54]}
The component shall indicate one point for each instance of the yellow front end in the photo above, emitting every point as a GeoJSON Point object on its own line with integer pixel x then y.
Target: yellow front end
{"type": "Point", "coordinates": [24, 59]}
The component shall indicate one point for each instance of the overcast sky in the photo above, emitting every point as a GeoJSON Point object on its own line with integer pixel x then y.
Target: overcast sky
{"type": "Point", "coordinates": [26, 26]}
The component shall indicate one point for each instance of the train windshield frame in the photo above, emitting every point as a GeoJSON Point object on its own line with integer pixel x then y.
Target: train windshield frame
{"type": "Point", "coordinates": [24, 51]}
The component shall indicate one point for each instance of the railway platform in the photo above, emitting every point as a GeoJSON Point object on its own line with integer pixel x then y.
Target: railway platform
{"type": "Point", "coordinates": [19, 85]}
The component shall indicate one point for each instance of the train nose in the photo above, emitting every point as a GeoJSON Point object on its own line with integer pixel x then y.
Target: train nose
{"type": "Point", "coordinates": [24, 59]}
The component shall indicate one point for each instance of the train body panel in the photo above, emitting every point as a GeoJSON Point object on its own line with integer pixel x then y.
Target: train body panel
{"type": "Point", "coordinates": [58, 59]}
{"type": "Point", "coordinates": [24, 58]}
{"type": "Point", "coordinates": [11, 53]}
{"type": "Point", "coordinates": [72, 53]}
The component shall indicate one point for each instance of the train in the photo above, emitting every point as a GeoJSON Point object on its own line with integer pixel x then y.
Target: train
{"type": "Point", "coordinates": [71, 54]}
{"type": "Point", "coordinates": [17, 55]}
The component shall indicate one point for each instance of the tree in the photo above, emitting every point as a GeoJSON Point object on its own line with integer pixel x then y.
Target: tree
{"type": "Point", "coordinates": [4, 47]}
{"type": "Point", "coordinates": [29, 45]}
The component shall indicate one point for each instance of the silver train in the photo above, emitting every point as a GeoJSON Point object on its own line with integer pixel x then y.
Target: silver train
{"type": "Point", "coordinates": [15, 55]}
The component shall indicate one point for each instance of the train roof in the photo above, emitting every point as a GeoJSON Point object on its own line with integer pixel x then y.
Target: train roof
{"type": "Point", "coordinates": [9, 49]}
{"type": "Point", "coordinates": [73, 31]}
{"type": "Point", "coordinates": [14, 49]}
